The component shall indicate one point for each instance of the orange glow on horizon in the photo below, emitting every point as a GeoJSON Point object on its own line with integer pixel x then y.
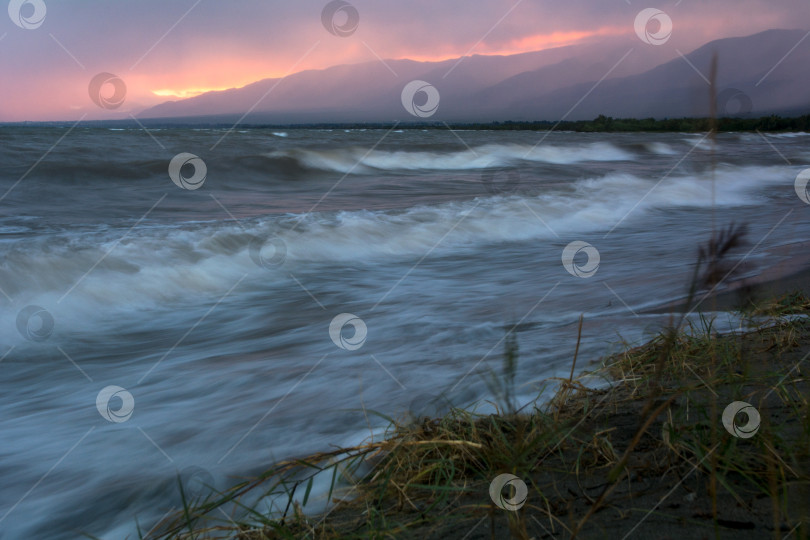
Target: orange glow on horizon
{"type": "Point", "coordinates": [187, 92]}
{"type": "Point", "coordinates": [532, 43]}
{"type": "Point", "coordinates": [559, 39]}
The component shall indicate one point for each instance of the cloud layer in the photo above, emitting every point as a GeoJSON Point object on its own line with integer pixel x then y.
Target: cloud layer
{"type": "Point", "coordinates": [166, 49]}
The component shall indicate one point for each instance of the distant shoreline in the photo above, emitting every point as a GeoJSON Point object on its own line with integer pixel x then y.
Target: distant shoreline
{"type": "Point", "coordinates": [601, 124]}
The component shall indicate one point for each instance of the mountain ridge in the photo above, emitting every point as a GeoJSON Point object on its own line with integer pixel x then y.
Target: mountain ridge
{"type": "Point", "coordinates": [644, 81]}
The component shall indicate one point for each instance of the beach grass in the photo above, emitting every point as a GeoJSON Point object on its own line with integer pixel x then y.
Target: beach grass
{"type": "Point", "coordinates": [643, 453]}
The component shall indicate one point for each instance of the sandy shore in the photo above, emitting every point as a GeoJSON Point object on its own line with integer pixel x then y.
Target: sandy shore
{"type": "Point", "coordinates": [790, 272]}
{"type": "Point", "coordinates": [647, 457]}
{"type": "Point", "coordinates": [670, 488]}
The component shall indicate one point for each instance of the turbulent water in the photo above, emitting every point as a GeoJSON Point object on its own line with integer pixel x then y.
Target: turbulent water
{"type": "Point", "coordinates": [212, 307]}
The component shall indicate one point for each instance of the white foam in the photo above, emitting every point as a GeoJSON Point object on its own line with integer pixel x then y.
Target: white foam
{"type": "Point", "coordinates": [787, 135]}
{"type": "Point", "coordinates": [701, 142]}
{"type": "Point", "coordinates": [159, 265]}
{"type": "Point", "coordinates": [358, 160]}
{"type": "Point", "coordinates": [661, 149]}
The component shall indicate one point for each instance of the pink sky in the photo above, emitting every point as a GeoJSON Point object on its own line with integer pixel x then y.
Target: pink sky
{"type": "Point", "coordinates": [164, 50]}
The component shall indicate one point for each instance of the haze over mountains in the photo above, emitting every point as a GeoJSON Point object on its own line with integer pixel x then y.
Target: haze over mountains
{"type": "Point", "coordinates": [755, 77]}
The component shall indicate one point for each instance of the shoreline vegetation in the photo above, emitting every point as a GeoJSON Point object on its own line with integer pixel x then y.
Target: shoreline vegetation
{"type": "Point", "coordinates": [601, 124]}
{"type": "Point", "coordinates": [639, 444]}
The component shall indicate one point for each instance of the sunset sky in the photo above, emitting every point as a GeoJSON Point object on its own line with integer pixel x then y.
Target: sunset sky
{"type": "Point", "coordinates": [169, 49]}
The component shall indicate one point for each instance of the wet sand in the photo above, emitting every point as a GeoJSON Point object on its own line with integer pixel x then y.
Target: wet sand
{"type": "Point", "coordinates": [790, 273]}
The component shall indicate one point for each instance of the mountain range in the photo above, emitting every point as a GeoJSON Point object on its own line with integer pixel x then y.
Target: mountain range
{"type": "Point", "coordinates": [761, 74]}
